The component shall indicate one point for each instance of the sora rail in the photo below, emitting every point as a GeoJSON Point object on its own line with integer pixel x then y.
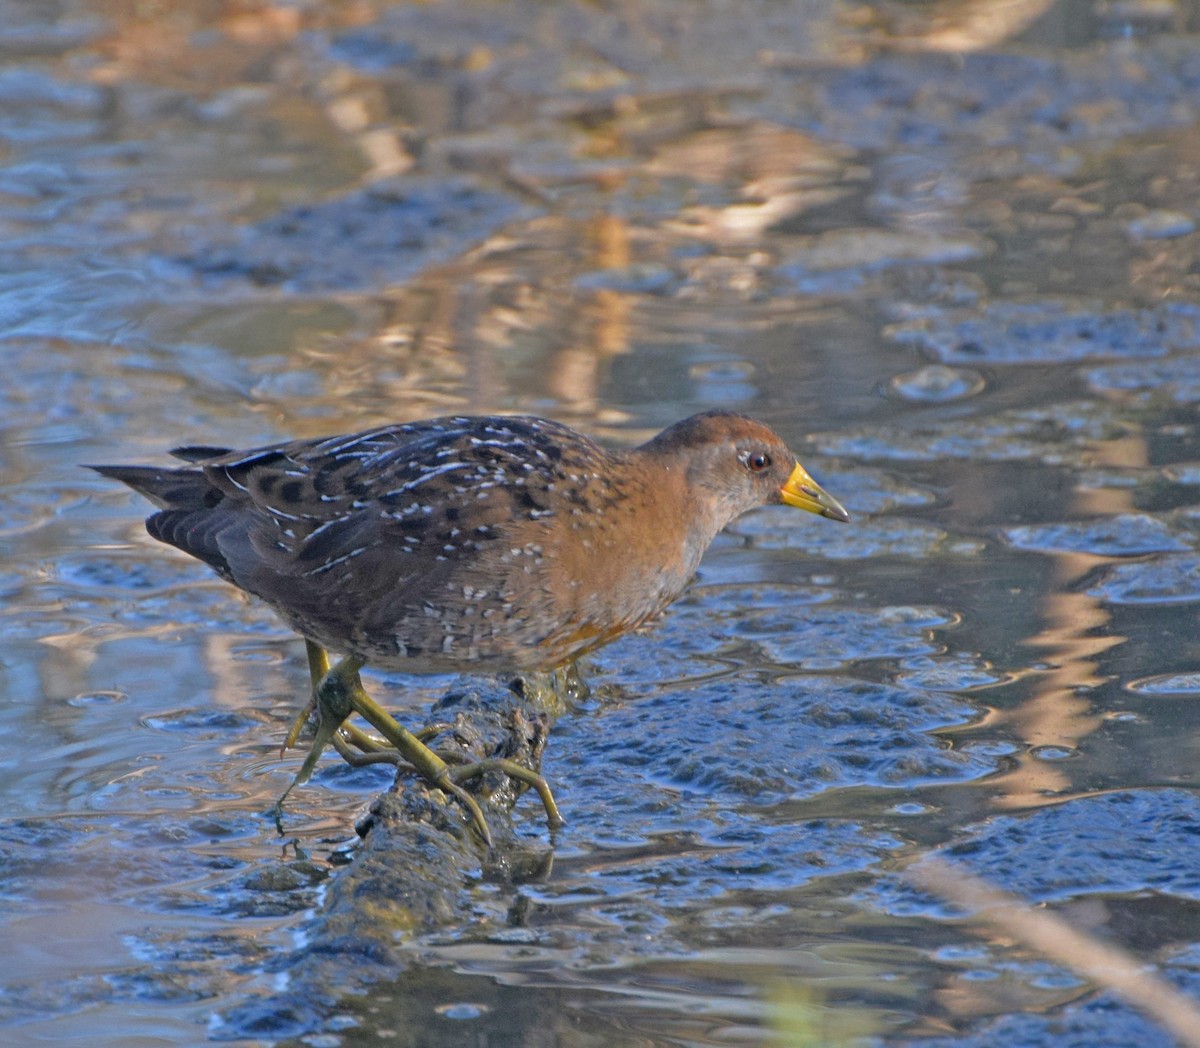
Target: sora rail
{"type": "Point", "coordinates": [468, 543]}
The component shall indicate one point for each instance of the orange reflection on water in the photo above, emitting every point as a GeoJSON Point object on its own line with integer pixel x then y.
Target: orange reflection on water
{"type": "Point", "coordinates": [1060, 714]}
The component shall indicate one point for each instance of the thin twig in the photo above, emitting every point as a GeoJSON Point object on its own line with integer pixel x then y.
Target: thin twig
{"type": "Point", "coordinates": [1107, 966]}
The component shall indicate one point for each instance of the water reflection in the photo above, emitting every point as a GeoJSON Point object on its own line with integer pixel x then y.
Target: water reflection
{"type": "Point", "coordinates": [230, 222]}
{"type": "Point", "coordinates": [1060, 714]}
{"type": "Point", "coordinates": [952, 26]}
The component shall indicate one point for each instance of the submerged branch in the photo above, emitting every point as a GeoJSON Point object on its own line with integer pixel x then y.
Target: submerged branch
{"type": "Point", "coordinates": [414, 869]}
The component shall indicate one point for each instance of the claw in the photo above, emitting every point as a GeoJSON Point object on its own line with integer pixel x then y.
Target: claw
{"type": "Point", "coordinates": [512, 769]}
{"type": "Point", "coordinates": [338, 692]}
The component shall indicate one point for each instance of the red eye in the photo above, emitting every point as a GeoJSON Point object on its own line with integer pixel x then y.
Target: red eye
{"type": "Point", "coordinates": [757, 461]}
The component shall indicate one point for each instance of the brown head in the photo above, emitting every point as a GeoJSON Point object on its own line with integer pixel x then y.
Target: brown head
{"type": "Point", "coordinates": [731, 463]}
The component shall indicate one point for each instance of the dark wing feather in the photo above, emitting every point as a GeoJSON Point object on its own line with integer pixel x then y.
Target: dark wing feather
{"type": "Point", "coordinates": [396, 468]}
{"type": "Point", "coordinates": [198, 533]}
{"type": "Point", "coordinates": [327, 479]}
{"type": "Point", "coordinates": [198, 452]}
{"type": "Point", "coordinates": [373, 536]}
{"type": "Point", "coordinates": [350, 536]}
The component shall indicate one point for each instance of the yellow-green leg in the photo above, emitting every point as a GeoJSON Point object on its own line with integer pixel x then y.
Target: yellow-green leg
{"type": "Point", "coordinates": [338, 692]}
{"type": "Point", "coordinates": [332, 709]}
{"type": "Point", "coordinates": [318, 666]}
{"type": "Point", "coordinates": [341, 693]}
{"type": "Point", "coordinates": [437, 772]}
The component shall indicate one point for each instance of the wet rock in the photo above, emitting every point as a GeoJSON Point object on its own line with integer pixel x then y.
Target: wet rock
{"type": "Point", "coordinates": [372, 51]}
{"type": "Point", "coordinates": [1167, 685]}
{"type": "Point", "coordinates": [1125, 841]}
{"type": "Point", "coordinates": [1061, 435]}
{"type": "Point", "coordinates": [833, 637]}
{"type": "Point", "coordinates": [204, 721]}
{"type": "Point", "coordinates": [1098, 1021]}
{"type": "Point", "coordinates": [1031, 103]}
{"type": "Point", "coordinates": [956, 671]}
{"type": "Point", "coordinates": [285, 877]}
{"type": "Point", "coordinates": [868, 249]}
{"type": "Point", "coordinates": [879, 537]}
{"type": "Point", "coordinates": [35, 106]}
{"type": "Point", "coordinates": [792, 738]}
{"type": "Point", "coordinates": [1183, 473]}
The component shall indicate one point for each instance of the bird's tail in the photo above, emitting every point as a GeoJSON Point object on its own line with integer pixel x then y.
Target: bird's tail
{"type": "Point", "coordinates": [187, 489]}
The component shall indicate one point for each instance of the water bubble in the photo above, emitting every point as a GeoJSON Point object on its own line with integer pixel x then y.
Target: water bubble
{"type": "Point", "coordinates": [462, 1010]}
{"type": "Point", "coordinates": [1053, 753]}
{"type": "Point", "coordinates": [1168, 685]}
{"type": "Point", "coordinates": [97, 698]}
{"type": "Point", "coordinates": [936, 384]}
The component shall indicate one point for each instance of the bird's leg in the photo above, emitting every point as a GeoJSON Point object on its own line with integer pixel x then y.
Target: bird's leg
{"type": "Point", "coordinates": [332, 697]}
{"type": "Point", "coordinates": [364, 756]}
{"type": "Point", "coordinates": [438, 773]}
{"type": "Point", "coordinates": [338, 692]}
{"type": "Point", "coordinates": [428, 764]}
{"type": "Point", "coordinates": [318, 666]}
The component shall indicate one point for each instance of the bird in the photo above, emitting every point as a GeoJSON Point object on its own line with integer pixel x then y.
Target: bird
{"type": "Point", "coordinates": [467, 543]}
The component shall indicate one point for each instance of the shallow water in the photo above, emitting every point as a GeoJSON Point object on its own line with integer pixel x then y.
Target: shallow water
{"type": "Point", "coordinates": [962, 287]}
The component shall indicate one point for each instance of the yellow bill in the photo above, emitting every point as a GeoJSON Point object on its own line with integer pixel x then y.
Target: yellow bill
{"type": "Point", "coordinates": [801, 491]}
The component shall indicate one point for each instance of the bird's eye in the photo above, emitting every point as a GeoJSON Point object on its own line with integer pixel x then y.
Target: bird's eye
{"type": "Point", "coordinates": [757, 461]}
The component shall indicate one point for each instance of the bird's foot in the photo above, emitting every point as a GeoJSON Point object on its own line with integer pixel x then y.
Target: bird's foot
{"type": "Point", "coordinates": [338, 692]}
{"type": "Point", "coordinates": [334, 698]}
{"type": "Point", "coordinates": [438, 772]}
{"type": "Point", "coordinates": [475, 769]}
